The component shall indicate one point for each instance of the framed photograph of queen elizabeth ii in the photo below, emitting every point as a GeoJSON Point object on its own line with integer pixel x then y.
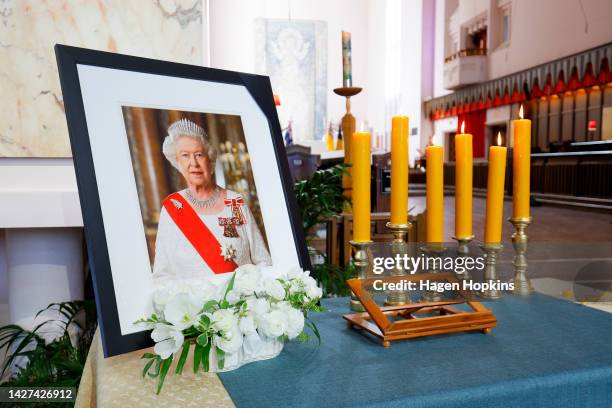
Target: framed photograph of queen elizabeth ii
{"type": "Point", "coordinates": [182, 175]}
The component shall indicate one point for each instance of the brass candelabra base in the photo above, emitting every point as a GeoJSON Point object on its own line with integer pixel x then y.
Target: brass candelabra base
{"type": "Point", "coordinates": [490, 274]}
{"type": "Point", "coordinates": [433, 252]}
{"type": "Point", "coordinates": [399, 245]}
{"type": "Point", "coordinates": [522, 284]}
{"type": "Point", "coordinates": [361, 258]}
{"type": "Point", "coordinates": [463, 250]}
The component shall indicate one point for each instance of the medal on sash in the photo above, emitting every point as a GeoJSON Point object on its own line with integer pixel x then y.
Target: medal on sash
{"type": "Point", "coordinates": [229, 226]}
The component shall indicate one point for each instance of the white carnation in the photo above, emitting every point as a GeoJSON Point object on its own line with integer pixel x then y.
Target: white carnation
{"type": "Point", "coordinates": [297, 285]}
{"type": "Point", "coordinates": [284, 306]}
{"type": "Point", "coordinates": [247, 324]}
{"type": "Point", "coordinates": [247, 279]}
{"type": "Point", "coordinates": [313, 291]}
{"type": "Point", "coordinates": [258, 308]}
{"type": "Point", "coordinates": [231, 341]}
{"type": "Point", "coordinates": [224, 320]}
{"type": "Point", "coordinates": [274, 289]}
{"type": "Point", "coordinates": [274, 323]}
{"type": "Point", "coordinates": [295, 322]}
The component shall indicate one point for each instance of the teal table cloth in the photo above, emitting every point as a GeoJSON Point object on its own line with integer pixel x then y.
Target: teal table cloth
{"type": "Point", "coordinates": [544, 352]}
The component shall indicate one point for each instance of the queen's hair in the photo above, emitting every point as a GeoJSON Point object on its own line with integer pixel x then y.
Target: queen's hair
{"type": "Point", "coordinates": [186, 128]}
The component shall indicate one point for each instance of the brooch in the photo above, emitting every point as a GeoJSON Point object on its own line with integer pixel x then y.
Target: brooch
{"type": "Point", "coordinates": [229, 226]}
{"type": "Point", "coordinates": [176, 203]}
{"type": "Point", "coordinates": [228, 252]}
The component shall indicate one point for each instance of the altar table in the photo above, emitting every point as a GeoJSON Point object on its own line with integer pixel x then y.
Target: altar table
{"type": "Point", "coordinates": [544, 352]}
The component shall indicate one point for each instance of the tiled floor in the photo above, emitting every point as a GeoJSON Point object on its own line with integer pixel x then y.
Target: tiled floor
{"type": "Point", "coordinates": [569, 249]}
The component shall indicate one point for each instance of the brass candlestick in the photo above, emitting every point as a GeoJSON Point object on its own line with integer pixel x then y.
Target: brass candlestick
{"type": "Point", "coordinates": [361, 259]}
{"type": "Point", "coordinates": [490, 274]}
{"type": "Point", "coordinates": [522, 284]}
{"type": "Point", "coordinates": [348, 128]}
{"type": "Point", "coordinates": [399, 246]}
{"type": "Point", "coordinates": [433, 252]}
{"type": "Point", "coordinates": [463, 250]}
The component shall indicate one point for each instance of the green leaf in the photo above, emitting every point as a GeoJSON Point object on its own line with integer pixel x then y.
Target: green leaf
{"type": "Point", "coordinates": [210, 306]}
{"type": "Point", "coordinates": [164, 370]}
{"type": "Point", "coordinates": [147, 367]}
{"type": "Point", "coordinates": [182, 358]}
{"type": "Point", "coordinates": [158, 361]}
{"type": "Point", "coordinates": [206, 357]}
{"type": "Point", "coordinates": [220, 358]}
{"type": "Point", "coordinates": [197, 357]}
{"type": "Point", "coordinates": [149, 355]}
{"type": "Point", "coordinates": [230, 286]}
{"type": "Point", "coordinates": [203, 324]}
{"type": "Point", "coordinates": [202, 339]}
{"type": "Point", "coordinates": [315, 331]}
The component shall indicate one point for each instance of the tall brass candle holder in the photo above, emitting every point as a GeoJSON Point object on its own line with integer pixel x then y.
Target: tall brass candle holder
{"type": "Point", "coordinates": [361, 259]}
{"type": "Point", "coordinates": [433, 252]}
{"type": "Point", "coordinates": [490, 274]}
{"type": "Point", "coordinates": [348, 128]}
{"type": "Point", "coordinates": [522, 284]}
{"type": "Point", "coordinates": [463, 250]}
{"type": "Point", "coordinates": [399, 245]}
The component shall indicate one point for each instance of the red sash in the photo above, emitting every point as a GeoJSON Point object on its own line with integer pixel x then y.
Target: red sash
{"type": "Point", "coordinates": [197, 233]}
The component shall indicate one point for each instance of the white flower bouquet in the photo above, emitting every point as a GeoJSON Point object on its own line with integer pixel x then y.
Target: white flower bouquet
{"type": "Point", "coordinates": [249, 322]}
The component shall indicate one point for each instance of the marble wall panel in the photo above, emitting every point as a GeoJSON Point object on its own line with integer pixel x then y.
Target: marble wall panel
{"type": "Point", "coordinates": [32, 122]}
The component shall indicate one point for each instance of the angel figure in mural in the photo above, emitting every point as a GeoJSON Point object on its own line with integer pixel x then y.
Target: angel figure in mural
{"type": "Point", "coordinates": [290, 51]}
{"type": "Point", "coordinates": [203, 229]}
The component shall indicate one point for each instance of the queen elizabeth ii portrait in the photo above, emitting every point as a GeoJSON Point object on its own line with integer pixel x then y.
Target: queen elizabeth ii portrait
{"type": "Point", "coordinates": [204, 229]}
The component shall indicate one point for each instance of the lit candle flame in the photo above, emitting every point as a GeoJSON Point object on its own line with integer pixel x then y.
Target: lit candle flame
{"type": "Point", "coordinates": [463, 126]}
{"type": "Point", "coordinates": [499, 139]}
{"type": "Point", "coordinates": [521, 112]}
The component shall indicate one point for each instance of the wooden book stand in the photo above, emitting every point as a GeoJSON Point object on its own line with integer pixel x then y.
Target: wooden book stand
{"type": "Point", "coordinates": [406, 323]}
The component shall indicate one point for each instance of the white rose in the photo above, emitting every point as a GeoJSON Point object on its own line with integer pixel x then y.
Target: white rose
{"type": "Point", "coordinates": [224, 320]}
{"type": "Point", "coordinates": [274, 289]}
{"type": "Point", "coordinates": [295, 322]}
{"type": "Point", "coordinates": [247, 324]}
{"type": "Point", "coordinates": [168, 340]}
{"type": "Point", "coordinates": [274, 323]}
{"type": "Point", "coordinates": [231, 341]}
{"type": "Point", "coordinates": [182, 311]}
{"type": "Point", "coordinates": [247, 279]}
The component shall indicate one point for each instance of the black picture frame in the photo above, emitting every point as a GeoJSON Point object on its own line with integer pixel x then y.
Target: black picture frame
{"type": "Point", "coordinates": [68, 57]}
